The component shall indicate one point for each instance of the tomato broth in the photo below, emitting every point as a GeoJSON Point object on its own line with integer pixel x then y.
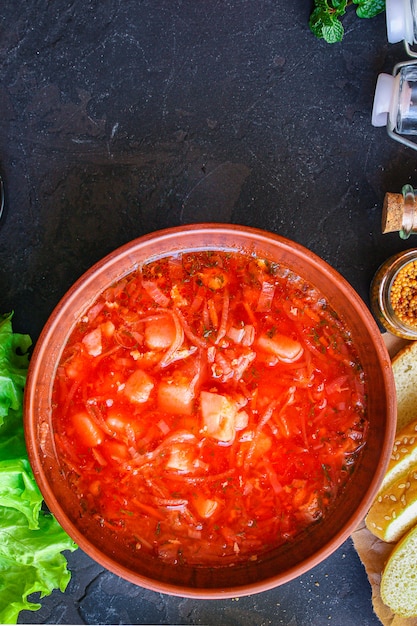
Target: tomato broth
{"type": "Point", "coordinates": [209, 407]}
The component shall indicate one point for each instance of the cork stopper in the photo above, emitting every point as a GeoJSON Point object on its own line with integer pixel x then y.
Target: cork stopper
{"type": "Point", "coordinates": [392, 212]}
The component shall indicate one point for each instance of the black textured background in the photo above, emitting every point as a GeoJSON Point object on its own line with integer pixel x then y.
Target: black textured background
{"type": "Point", "coordinates": [119, 117]}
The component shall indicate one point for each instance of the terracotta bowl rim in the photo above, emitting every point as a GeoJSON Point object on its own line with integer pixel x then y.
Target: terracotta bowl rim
{"type": "Point", "coordinates": [336, 540]}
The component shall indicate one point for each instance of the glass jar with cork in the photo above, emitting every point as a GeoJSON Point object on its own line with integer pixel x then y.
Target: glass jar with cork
{"type": "Point", "coordinates": [394, 294]}
{"type": "Point", "coordinates": [399, 212]}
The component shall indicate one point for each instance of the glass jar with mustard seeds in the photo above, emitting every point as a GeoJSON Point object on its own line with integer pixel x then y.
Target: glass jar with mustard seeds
{"type": "Point", "coordinates": [394, 294]}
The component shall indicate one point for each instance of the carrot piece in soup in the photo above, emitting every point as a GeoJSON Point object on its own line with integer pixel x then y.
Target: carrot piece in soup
{"type": "Point", "coordinates": [92, 342]}
{"type": "Point", "coordinates": [219, 416]}
{"type": "Point", "coordinates": [284, 348]}
{"type": "Point", "coordinates": [160, 333]}
{"type": "Point", "coordinates": [139, 387]}
{"type": "Point", "coordinates": [176, 394]}
{"type": "Point", "coordinates": [115, 450]}
{"type": "Point", "coordinates": [76, 367]}
{"type": "Point", "coordinates": [262, 445]}
{"type": "Point", "coordinates": [213, 278]}
{"type": "Point", "coordinates": [205, 507]}
{"type": "Point", "coordinates": [116, 422]}
{"type": "Point", "coordinates": [87, 431]}
{"type": "Point", "coordinates": [181, 458]}
{"type": "Point", "coordinates": [241, 421]}
{"type": "Point", "coordinates": [107, 329]}
{"type": "Point", "coordinates": [121, 422]}
{"type": "Point", "coordinates": [177, 391]}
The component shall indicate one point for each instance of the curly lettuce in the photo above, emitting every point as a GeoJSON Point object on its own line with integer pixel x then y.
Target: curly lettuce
{"type": "Point", "coordinates": [31, 540]}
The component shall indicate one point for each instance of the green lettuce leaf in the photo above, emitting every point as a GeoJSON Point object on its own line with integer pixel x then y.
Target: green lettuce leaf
{"type": "Point", "coordinates": [14, 361]}
{"type": "Point", "coordinates": [30, 561]}
{"type": "Point", "coordinates": [31, 540]}
{"type": "Point", "coordinates": [19, 491]}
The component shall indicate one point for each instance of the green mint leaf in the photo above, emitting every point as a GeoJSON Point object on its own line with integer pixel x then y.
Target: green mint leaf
{"type": "Point", "coordinates": [369, 8]}
{"type": "Point", "coordinates": [334, 32]}
{"type": "Point", "coordinates": [316, 23]}
{"type": "Point", "coordinates": [339, 5]}
{"type": "Point", "coordinates": [324, 20]}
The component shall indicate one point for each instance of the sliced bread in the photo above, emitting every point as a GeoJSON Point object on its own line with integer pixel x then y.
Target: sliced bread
{"type": "Point", "coordinates": [404, 367]}
{"type": "Point", "coordinates": [403, 456]}
{"type": "Point", "coordinates": [394, 511]}
{"type": "Point", "coordinates": [399, 577]}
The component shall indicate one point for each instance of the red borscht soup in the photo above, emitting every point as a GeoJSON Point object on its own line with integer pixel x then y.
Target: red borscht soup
{"type": "Point", "coordinates": [209, 407]}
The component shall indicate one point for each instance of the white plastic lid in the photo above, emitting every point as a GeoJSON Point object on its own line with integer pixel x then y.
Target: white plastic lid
{"type": "Point", "coordinates": [399, 21]}
{"type": "Point", "coordinates": [382, 100]}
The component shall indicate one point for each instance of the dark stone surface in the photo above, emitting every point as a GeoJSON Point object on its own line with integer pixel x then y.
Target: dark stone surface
{"type": "Point", "coordinates": [119, 117]}
{"type": "Point", "coordinates": [336, 593]}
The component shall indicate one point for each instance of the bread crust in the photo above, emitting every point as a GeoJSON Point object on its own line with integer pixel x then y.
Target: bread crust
{"type": "Point", "coordinates": [403, 456]}
{"type": "Point", "coordinates": [399, 580]}
{"type": "Point", "coordinates": [392, 567]}
{"type": "Point", "coordinates": [394, 511]}
{"type": "Point", "coordinates": [393, 515]}
{"type": "Point", "coordinates": [404, 367]}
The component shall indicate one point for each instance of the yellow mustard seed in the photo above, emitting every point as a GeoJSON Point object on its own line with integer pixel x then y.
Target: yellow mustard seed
{"type": "Point", "coordinates": [404, 294]}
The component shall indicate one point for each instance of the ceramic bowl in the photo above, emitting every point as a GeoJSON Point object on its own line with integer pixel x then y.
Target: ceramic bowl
{"type": "Point", "coordinates": [278, 566]}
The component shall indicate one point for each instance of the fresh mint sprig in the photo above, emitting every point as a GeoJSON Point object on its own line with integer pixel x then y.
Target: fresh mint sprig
{"type": "Point", "coordinates": [326, 18]}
